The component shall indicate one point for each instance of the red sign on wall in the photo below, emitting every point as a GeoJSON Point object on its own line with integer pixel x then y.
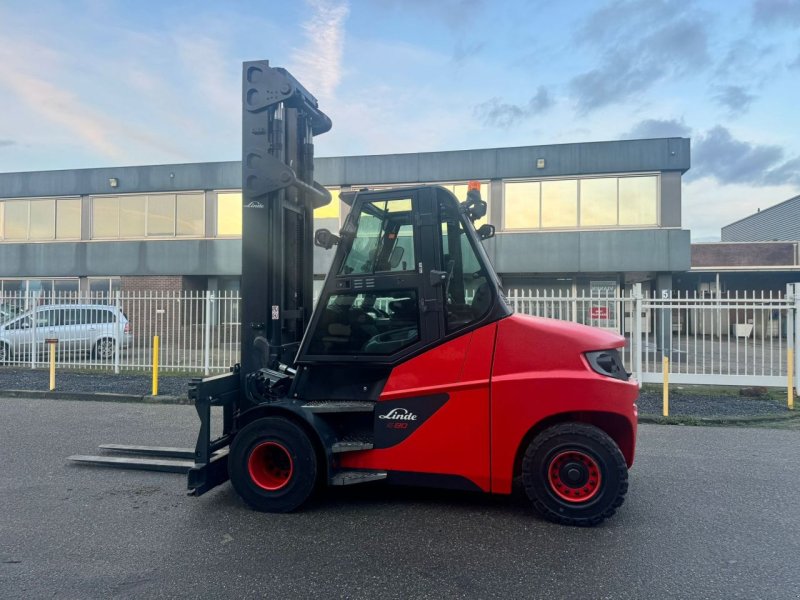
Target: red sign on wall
{"type": "Point", "coordinates": [600, 312]}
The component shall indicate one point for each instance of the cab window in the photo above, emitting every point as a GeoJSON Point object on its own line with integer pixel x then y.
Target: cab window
{"type": "Point", "coordinates": [378, 323]}
{"type": "Point", "coordinates": [468, 295]}
{"type": "Point", "coordinates": [384, 240]}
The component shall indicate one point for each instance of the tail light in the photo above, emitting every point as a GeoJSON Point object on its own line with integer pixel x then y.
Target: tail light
{"type": "Point", "coordinates": [127, 328]}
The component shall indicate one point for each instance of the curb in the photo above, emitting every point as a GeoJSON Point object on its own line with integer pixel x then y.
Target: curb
{"type": "Point", "coordinates": [94, 397]}
{"type": "Point", "coordinates": [691, 420]}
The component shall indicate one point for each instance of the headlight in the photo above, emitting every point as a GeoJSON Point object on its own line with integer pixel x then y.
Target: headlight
{"type": "Point", "coordinates": [608, 363]}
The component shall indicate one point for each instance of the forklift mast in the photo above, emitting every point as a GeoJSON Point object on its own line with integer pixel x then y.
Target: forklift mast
{"type": "Point", "coordinates": [279, 121]}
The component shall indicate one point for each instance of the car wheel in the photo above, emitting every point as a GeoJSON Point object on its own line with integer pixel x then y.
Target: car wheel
{"type": "Point", "coordinates": [273, 465]}
{"type": "Point", "coordinates": [5, 354]}
{"type": "Point", "coordinates": [104, 349]}
{"type": "Point", "coordinates": [574, 474]}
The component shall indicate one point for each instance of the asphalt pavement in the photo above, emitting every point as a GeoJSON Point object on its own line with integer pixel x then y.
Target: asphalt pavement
{"type": "Point", "coordinates": [711, 513]}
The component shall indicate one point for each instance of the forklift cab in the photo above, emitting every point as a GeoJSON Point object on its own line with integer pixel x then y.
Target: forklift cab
{"type": "Point", "coordinates": [409, 273]}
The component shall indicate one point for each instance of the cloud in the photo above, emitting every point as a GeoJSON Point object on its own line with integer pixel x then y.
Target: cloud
{"type": "Point", "coordinates": [735, 98]}
{"type": "Point", "coordinates": [795, 64]}
{"type": "Point", "coordinates": [654, 41]}
{"type": "Point", "coordinates": [6, 143]}
{"type": "Point", "coordinates": [463, 52]}
{"type": "Point", "coordinates": [319, 62]}
{"type": "Point", "coordinates": [744, 57]}
{"type": "Point", "coordinates": [729, 160]}
{"type": "Point", "coordinates": [658, 128]}
{"type": "Point", "coordinates": [776, 12]}
{"type": "Point", "coordinates": [495, 113]}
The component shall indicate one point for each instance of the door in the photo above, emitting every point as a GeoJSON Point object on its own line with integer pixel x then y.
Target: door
{"type": "Point", "coordinates": [378, 304]}
{"type": "Point", "coordinates": [431, 423]}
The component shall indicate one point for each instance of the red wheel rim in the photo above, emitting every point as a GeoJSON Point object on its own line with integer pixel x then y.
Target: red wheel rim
{"type": "Point", "coordinates": [270, 466]}
{"type": "Point", "coordinates": [574, 476]}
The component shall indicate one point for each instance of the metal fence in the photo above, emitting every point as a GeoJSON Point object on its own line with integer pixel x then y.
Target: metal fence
{"type": "Point", "coordinates": [739, 339]}
{"type": "Point", "coordinates": [198, 331]}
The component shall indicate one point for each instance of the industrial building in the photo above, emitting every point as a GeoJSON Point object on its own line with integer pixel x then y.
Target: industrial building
{"type": "Point", "coordinates": [577, 218]}
{"type": "Point", "coordinates": [759, 253]}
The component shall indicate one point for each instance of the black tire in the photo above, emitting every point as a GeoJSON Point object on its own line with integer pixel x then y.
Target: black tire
{"type": "Point", "coordinates": [574, 474]}
{"type": "Point", "coordinates": [5, 353]}
{"type": "Point", "coordinates": [104, 349]}
{"type": "Point", "coordinates": [272, 465]}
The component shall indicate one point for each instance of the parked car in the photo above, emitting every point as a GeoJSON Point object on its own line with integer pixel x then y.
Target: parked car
{"type": "Point", "coordinates": [96, 330]}
{"type": "Point", "coordinates": [8, 311]}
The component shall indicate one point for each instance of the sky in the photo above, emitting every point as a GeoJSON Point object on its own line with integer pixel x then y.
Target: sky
{"type": "Point", "coordinates": [94, 83]}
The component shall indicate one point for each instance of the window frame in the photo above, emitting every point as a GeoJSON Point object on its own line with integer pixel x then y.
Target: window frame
{"type": "Point", "coordinates": [147, 196]}
{"type": "Point", "coordinates": [579, 227]}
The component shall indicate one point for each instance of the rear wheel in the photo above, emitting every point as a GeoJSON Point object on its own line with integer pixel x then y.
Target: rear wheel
{"type": "Point", "coordinates": [272, 465]}
{"type": "Point", "coordinates": [104, 349]}
{"type": "Point", "coordinates": [574, 474]}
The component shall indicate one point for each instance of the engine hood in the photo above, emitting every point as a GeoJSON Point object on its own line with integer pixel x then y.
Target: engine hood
{"type": "Point", "coordinates": [523, 341]}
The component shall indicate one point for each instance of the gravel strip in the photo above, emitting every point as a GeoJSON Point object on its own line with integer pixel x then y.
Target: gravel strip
{"type": "Point", "coordinates": [682, 403]}
{"type": "Point", "coordinates": [686, 404]}
{"type": "Point", "coordinates": [100, 382]}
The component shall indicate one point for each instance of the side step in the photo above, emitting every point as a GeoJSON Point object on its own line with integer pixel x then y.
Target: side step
{"type": "Point", "coordinates": [353, 477]}
{"type": "Point", "coordinates": [335, 406]}
{"type": "Point", "coordinates": [350, 446]}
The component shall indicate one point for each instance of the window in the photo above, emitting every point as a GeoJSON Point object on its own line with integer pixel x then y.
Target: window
{"type": "Point", "coordinates": [560, 203]}
{"type": "Point", "coordinates": [638, 200]}
{"type": "Point", "coordinates": [190, 210]}
{"type": "Point", "coordinates": [384, 240]}
{"type": "Point", "coordinates": [161, 215]}
{"type": "Point", "coordinates": [379, 323]}
{"type": "Point", "coordinates": [105, 217]}
{"type": "Point", "coordinates": [148, 215]}
{"type": "Point", "coordinates": [598, 202]}
{"type": "Point", "coordinates": [68, 218]}
{"type": "Point", "coordinates": [522, 204]}
{"type": "Point", "coordinates": [229, 214]}
{"type": "Point", "coordinates": [132, 216]}
{"type": "Point", "coordinates": [16, 220]}
{"type": "Point", "coordinates": [329, 211]}
{"type": "Point", "coordinates": [42, 220]}
{"type": "Point", "coordinates": [588, 202]}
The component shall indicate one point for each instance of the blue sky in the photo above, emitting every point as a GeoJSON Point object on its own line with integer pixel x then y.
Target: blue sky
{"type": "Point", "coordinates": [100, 83]}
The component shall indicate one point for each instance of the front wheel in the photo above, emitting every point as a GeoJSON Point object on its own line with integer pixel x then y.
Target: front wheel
{"type": "Point", "coordinates": [272, 465]}
{"type": "Point", "coordinates": [574, 474]}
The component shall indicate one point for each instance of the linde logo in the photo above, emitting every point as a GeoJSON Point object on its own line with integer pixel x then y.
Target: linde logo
{"type": "Point", "coordinates": [254, 204]}
{"type": "Point", "coordinates": [399, 414]}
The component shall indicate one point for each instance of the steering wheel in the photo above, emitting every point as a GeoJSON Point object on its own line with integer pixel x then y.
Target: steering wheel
{"type": "Point", "coordinates": [389, 341]}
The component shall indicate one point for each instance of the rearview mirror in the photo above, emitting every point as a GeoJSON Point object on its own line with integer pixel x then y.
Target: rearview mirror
{"type": "Point", "coordinates": [325, 239]}
{"type": "Point", "coordinates": [486, 231]}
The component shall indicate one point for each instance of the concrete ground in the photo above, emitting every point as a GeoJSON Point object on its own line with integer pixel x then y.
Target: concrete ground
{"type": "Point", "coordinates": [711, 513]}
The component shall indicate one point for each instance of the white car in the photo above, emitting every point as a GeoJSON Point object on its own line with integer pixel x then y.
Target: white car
{"type": "Point", "coordinates": [97, 330]}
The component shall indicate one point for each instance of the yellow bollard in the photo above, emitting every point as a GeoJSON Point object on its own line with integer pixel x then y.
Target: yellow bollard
{"type": "Point", "coordinates": [52, 344]}
{"type": "Point", "coordinates": [155, 365]}
{"type": "Point", "coordinates": [790, 376]}
{"type": "Point", "coordinates": [665, 368]}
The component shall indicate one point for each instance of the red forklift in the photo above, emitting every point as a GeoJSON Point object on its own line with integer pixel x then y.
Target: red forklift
{"type": "Point", "coordinates": [412, 369]}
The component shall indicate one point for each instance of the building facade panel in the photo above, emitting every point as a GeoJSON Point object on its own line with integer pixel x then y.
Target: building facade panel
{"type": "Point", "coordinates": [622, 198]}
{"type": "Point", "coordinates": [776, 223]}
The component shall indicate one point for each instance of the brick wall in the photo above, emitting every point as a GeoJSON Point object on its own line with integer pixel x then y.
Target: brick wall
{"type": "Point", "coordinates": [160, 283]}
